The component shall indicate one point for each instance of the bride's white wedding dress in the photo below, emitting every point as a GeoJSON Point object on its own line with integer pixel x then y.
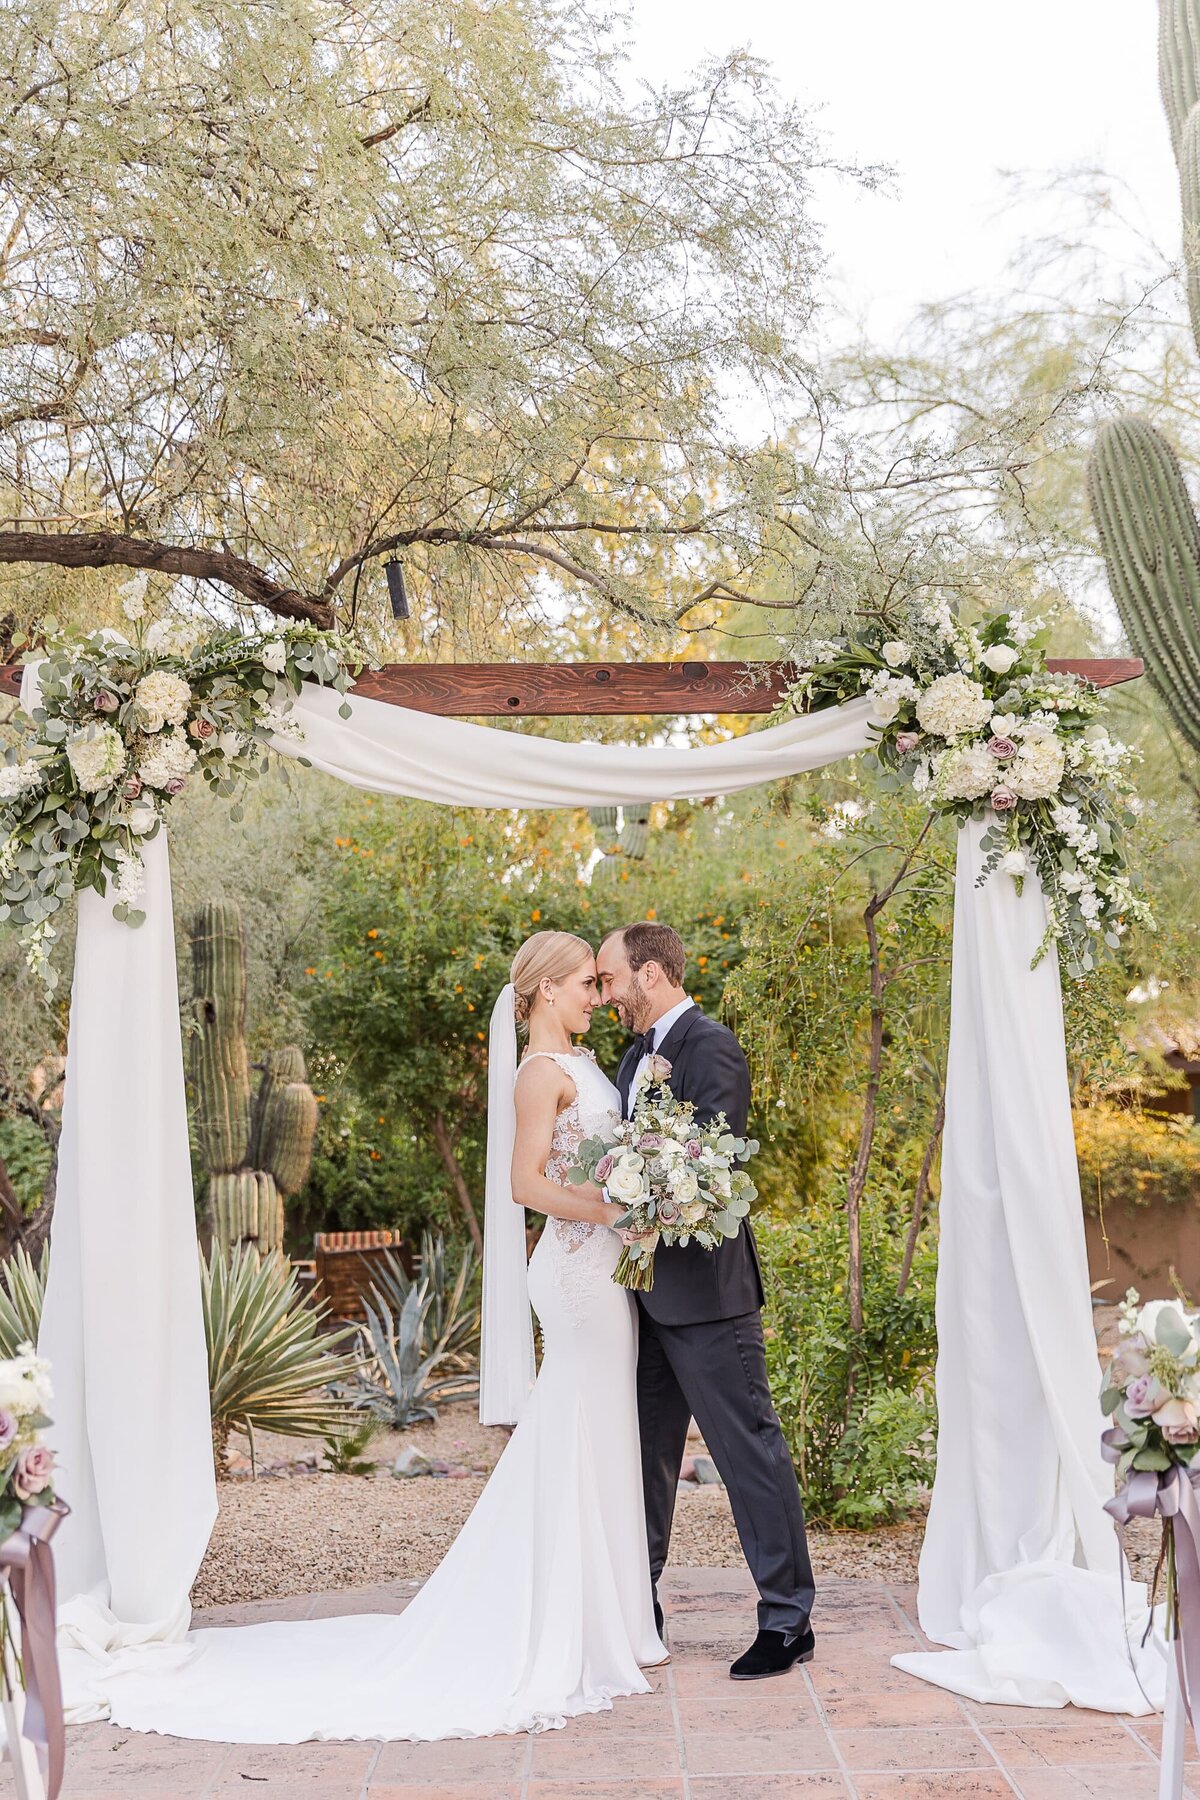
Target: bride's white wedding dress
{"type": "Point", "coordinates": [540, 1610]}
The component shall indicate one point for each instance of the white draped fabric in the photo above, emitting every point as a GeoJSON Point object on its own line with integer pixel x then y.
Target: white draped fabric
{"type": "Point", "coordinates": [1020, 1479]}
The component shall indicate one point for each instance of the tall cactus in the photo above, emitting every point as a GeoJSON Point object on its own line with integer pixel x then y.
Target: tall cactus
{"type": "Point", "coordinates": [220, 1068]}
{"type": "Point", "coordinates": [257, 1152]}
{"type": "Point", "coordinates": [1148, 529]}
{"type": "Point", "coordinates": [632, 840]}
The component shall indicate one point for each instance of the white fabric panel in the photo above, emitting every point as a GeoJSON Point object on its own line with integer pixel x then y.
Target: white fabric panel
{"type": "Point", "coordinates": [122, 1324]}
{"type": "Point", "coordinates": [1020, 1568]}
{"type": "Point", "coordinates": [391, 750]}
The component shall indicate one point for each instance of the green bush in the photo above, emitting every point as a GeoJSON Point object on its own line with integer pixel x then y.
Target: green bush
{"type": "Point", "coordinates": [1133, 1159]}
{"type": "Point", "coordinates": [857, 1413]}
{"type": "Point", "coordinates": [26, 1156]}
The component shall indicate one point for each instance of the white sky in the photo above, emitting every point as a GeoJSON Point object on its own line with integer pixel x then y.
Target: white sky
{"type": "Point", "coordinates": [950, 93]}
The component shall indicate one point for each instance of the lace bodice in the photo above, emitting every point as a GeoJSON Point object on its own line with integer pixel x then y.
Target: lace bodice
{"type": "Point", "coordinates": [595, 1108]}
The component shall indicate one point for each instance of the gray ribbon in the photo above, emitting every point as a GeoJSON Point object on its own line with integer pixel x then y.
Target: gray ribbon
{"type": "Point", "coordinates": [27, 1567]}
{"type": "Point", "coordinates": [1171, 1494]}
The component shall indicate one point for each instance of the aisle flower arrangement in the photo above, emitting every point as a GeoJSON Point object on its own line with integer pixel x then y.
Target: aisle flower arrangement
{"type": "Point", "coordinates": [120, 729]}
{"type": "Point", "coordinates": [971, 719]}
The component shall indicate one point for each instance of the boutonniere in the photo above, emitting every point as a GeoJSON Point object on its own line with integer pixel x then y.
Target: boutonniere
{"type": "Point", "coordinates": [658, 1070]}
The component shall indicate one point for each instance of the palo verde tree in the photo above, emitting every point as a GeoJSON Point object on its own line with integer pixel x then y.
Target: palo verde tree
{"type": "Point", "coordinates": [289, 289]}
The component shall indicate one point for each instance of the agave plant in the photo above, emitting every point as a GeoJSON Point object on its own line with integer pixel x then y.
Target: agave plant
{"type": "Point", "coordinates": [271, 1367]}
{"type": "Point", "coordinates": [419, 1339]}
{"type": "Point", "coordinates": [22, 1290]}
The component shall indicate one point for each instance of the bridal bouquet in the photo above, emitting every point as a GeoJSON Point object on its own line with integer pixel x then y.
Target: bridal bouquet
{"type": "Point", "coordinates": [26, 1483]}
{"type": "Point", "coordinates": [680, 1182]}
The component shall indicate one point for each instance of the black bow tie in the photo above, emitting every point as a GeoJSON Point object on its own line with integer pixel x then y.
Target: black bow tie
{"type": "Point", "coordinates": [643, 1043]}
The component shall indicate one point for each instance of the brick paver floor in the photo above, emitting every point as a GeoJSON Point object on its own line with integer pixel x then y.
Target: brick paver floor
{"type": "Point", "coordinates": [848, 1726]}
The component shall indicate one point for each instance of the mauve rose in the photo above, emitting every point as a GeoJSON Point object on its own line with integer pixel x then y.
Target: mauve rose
{"type": "Point", "coordinates": [1144, 1395]}
{"type": "Point", "coordinates": [176, 785]}
{"type": "Point", "coordinates": [201, 728]}
{"type": "Point", "coordinates": [1177, 1422]}
{"type": "Point", "coordinates": [907, 741]}
{"type": "Point", "coordinates": [604, 1168]}
{"type": "Point", "coordinates": [8, 1429]}
{"type": "Point", "coordinates": [1001, 747]}
{"type": "Point", "coordinates": [1129, 1360]}
{"type": "Point", "coordinates": [668, 1212]}
{"type": "Point", "coordinates": [33, 1471]}
{"type": "Point", "coordinates": [650, 1140]}
{"type": "Point", "coordinates": [132, 788]}
{"type": "Point", "coordinates": [106, 702]}
{"type": "Point", "coordinates": [1003, 799]}
{"type": "Point", "coordinates": [695, 1149]}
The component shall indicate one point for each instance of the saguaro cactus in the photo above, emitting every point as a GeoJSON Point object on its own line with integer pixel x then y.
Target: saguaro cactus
{"type": "Point", "coordinates": [1148, 529]}
{"type": "Point", "coordinates": [632, 840]}
{"type": "Point", "coordinates": [257, 1152]}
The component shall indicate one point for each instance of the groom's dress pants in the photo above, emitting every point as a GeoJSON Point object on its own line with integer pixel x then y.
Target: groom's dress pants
{"type": "Point", "coordinates": [716, 1373]}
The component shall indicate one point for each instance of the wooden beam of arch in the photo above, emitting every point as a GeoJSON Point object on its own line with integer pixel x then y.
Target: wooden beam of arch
{"type": "Point", "coordinates": [556, 690]}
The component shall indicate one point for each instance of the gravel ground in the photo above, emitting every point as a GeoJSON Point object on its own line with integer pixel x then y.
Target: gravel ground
{"type": "Point", "coordinates": [295, 1530]}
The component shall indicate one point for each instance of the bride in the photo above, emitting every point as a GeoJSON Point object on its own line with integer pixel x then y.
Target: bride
{"type": "Point", "coordinates": [542, 1608]}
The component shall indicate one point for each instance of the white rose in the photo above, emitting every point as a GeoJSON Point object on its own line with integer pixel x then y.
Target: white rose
{"type": "Point", "coordinates": [142, 819]}
{"type": "Point", "coordinates": [896, 653]}
{"type": "Point", "coordinates": [625, 1184]}
{"type": "Point", "coordinates": [999, 658]}
{"type": "Point", "coordinates": [1003, 724]}
{"type": "Point", "coordinates": [1015, 863]}
{"type": "Point", "coordinates": [273, 656]}
{"type": "Point", "coordinates": [684, 1186]}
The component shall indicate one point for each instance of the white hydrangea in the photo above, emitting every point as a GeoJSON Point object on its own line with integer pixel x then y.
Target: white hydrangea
{"type": "Point", "coordinates": [19, 778]}
{"type": "Point", "coordinates": [161, 698]}
{"type": "Point", "coordinates": [952, 706]}
{"type": "Point", "coordinates": [1037, 770]}
{"type": "Point", "coordinates": [25, 1383]}
{"type": "Point", "coordinates": [96, 754]}
{"type": "Point", "coordinates": [169, 758]}
{"type": "Point", "coordinates": [172, 637]}
{"type": "Point", "coordinates": [967, 773]}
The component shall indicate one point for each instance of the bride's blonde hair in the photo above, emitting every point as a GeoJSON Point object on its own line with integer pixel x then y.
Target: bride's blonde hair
{"type": "Point", "coordinates": [546, 956]}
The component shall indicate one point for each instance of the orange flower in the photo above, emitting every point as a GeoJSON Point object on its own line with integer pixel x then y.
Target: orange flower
{"type": "Point", "coordinates": [536, 914]}
{"type": "Point", "coordinates": [372, 933]}
{"type": "Point", "coordinates": [310, 971]}
{"type": "Point", "coordinates": [703, 961]}
{"type": "Point", "coordinates": [652, 912]}
{"type": "Point", "coordinates": [380, 957]}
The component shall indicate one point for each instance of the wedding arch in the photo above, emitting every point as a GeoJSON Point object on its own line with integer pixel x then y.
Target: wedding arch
{"type": "Point", "coordinates": [1020, 1575]}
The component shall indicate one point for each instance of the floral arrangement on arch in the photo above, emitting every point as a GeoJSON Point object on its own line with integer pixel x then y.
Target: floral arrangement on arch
{"type": "Point", "coordinates": [120, 728]}
{"type": "Point", "coordinates": [971, 718]}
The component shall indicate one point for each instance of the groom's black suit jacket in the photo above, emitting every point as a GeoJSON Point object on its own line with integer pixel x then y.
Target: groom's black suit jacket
{"type": "Point", "coordinates": [693, 1285]}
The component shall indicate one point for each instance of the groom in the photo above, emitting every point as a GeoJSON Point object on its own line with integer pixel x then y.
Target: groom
{"type": "Point", "coordinates": [701, 1351]}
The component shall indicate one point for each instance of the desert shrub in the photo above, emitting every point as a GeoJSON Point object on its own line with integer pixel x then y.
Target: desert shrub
{"type": "Point", "coordinates": [1131, 1158]}
{"type": "Point", "coordinates": [857, 1409]}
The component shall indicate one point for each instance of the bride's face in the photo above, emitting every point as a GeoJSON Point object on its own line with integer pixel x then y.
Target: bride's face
{"type": "Point", "coordinates": [576, 998]}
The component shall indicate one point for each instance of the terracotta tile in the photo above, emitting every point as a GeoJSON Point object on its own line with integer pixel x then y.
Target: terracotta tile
{"type": "Point", "coordinates": [930, 1784]}
{"type": "Point", "coordinates": [1083, 1783]}
{"type": "Point", "coordinates": [823, 1786]}
{"type": "Point", "coordinates": [771, 1753]}
{"type": "Point", "coordinates": [915, 1705]}
{"type": "Point", "coordinates": [461, 1790]}
{"type": "Point", "coordinates": [942, 1748]}
{"type": "Point", "coordinates": [746, 1706]}
{"type": "Point", "coordinates": [1020, 1718]}
{"type": "Point", "coordinates": [453, 1760]}
{"type": "Point", "coordinates": [563, 1756]}
{"type": "Point", "coordinates": [640, 1716]}
{"type": "Point", "coordinates": [634, 1789]}
{"type": "Point", "coordinates": [136, 1760]}
{"type": "Point", "coordinates": [848, 1680]}
{"type": "Point", "coordinates": [1048, 1744]}
{"type": "Point", "coordinates": [316, 1771]}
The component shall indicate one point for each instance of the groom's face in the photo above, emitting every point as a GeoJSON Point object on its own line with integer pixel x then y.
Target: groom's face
{"type": "Point", "coordinates": [621, 986]}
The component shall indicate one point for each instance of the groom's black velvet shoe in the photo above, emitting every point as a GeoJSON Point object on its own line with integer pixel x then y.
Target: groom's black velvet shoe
{"type": "Point", "coordinates": [659, 1621]}
{"type": "Point", "coordinates": [773, 1653]}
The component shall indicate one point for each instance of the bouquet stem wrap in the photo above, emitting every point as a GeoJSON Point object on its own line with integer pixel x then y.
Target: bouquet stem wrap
{"type": "Point", "coordinates": [1171, 1494]}
{"type": "Point", "coordinates": [27, 1569]}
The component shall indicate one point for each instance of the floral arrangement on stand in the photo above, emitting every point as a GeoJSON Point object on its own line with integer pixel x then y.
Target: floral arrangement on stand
{"type": "Point", "coordinates": [1151, 1391]}
{"type": "Point", "coordinates": [119, 729]}
{"type": "Point", "coordinates": [30, 1513]}
{"type": "Point", "coordinates": [680, 1182]}
{"type": "Point", "coordinates": [971, 718]}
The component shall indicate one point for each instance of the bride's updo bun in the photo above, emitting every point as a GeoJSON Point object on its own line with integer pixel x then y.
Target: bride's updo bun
{"type": "Point", "coordinates": [546, 956]}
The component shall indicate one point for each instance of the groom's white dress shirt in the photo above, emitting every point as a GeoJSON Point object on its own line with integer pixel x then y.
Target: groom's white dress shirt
{"type": "Point", "coordinates": [658, 1032]}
